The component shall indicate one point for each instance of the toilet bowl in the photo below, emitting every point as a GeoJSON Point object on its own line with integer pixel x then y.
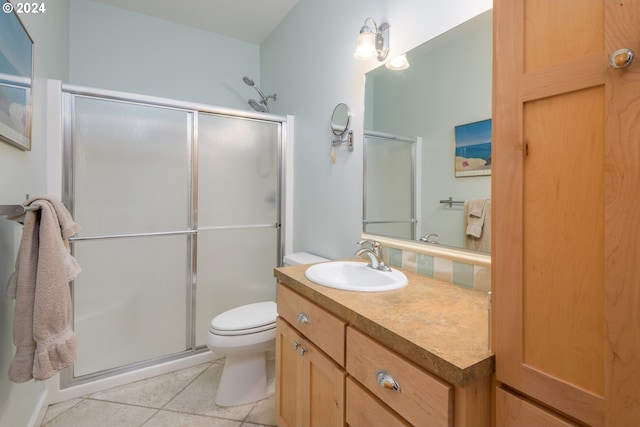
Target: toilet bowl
{"type": "Point", "coordinates": [245, 335]}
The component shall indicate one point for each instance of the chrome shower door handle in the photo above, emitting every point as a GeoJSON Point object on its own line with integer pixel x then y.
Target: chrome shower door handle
{"type": "Point", "coordinates": [621, 58]}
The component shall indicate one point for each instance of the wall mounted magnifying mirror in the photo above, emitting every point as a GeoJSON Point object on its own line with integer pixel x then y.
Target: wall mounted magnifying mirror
{"type": "Point", "coordinates": [340, 122]}
{"type": "Point", "coordinates": [447, 85]}
{"type": "Point", "coordinates": [340, 119]}
{"type": "Point", "coordinates": [16, 71]}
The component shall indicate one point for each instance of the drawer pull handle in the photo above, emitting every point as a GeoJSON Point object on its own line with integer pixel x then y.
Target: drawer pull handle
{"type": "Point", "coordinates": [296, 344]}
{"type": "Point", "coordinates": [385, 380]}
{"type": "Point", "coordinates": [303, 318]}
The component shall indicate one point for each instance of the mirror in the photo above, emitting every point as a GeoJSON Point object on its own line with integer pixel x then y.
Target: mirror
{"type": "Point", "coordinates": [16, 71]}
{"type": "Point", "coordinates": [340, 119]}
{"type": "Point", "coordinates": [413, 122]}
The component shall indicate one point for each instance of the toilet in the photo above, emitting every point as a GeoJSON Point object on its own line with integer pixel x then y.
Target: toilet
{"type": "Point", "coordinates": [246, 335]}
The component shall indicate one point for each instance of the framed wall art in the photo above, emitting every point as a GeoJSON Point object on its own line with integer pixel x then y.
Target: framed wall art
{"type": "Point", "coordinates": [16, 75]}
{"type": "Point", "coordinates": [473, 149]}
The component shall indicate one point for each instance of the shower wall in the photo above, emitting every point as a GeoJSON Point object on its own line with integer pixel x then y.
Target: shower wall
{"type": "Point", "coordinates": [180, 215]}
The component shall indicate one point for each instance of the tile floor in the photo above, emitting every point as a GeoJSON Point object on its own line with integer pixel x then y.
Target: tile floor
{"type": "Point", "coordinates": [184, 398]}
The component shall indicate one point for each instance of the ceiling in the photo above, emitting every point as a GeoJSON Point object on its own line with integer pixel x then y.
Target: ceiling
{"type": "Point", "coordinates": [248, 20]}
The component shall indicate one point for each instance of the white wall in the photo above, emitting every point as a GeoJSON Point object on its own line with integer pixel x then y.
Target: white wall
{"type": "Point", "coordinates": [309, 61]}
{"type": "Point", "coordinates": [112, 48]}
{"type": "Point", "coordinates": [21, 173]}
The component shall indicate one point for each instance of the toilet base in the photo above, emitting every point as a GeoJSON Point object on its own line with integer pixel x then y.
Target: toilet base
{"type": "Point", "coordinates": [244, 380]}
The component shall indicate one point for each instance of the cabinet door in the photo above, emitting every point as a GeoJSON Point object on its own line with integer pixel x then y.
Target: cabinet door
{"type": "Point", "coordinates": [288, 376]}
{"type": "Point", "coordinates": [513, 411]}
{"type": "Point", "coordinates": [323, 389]}
{"type": "Point", "coordinates": [567, 234]}
{"type": "Point", "coordinates": [309, 385]}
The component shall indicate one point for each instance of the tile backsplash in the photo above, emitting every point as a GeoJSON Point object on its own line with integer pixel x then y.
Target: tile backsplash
{"type": "Point", "coordinates": [458, 272]}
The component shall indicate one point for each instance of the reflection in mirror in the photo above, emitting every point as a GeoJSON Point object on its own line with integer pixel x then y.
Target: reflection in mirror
{"type": "Point", "coordinates": [16, 64]}
{"type": "Point", "coordinates": [448, 84]}
{"type": "Point", "coordinates": [390, 197]}
{"type": "Point", "coordinates": [340, 119]}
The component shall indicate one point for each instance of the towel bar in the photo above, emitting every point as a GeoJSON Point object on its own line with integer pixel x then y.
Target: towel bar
{"type": "Point", "coordinates": [16, 209]}
{"type": "Point", "coordinates": [450, 202]}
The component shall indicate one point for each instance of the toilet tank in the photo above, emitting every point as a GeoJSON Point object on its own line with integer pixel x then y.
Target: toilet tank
{"type": "Point", "coordinates": [299, 258]}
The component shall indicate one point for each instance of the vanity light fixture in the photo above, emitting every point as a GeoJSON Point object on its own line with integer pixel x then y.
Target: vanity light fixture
{"type": "Point", "coordinates": [373, 42]}
{"type": "Point", "coordinates": [398, 63]}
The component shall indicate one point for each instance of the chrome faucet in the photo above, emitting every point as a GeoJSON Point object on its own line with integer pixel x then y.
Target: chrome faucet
{"type": "Point", "coordinates": [426, 238]}
{"type": "Point", "coordinates": [374, 252]}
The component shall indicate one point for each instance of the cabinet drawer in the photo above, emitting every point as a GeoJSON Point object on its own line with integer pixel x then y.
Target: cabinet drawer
{"type": "Point", "coordinates": [318, 325]}
{"type": "Point", "coordinates": [422, 399]}
{"type": "Point", "coordinates": [514, 411]}
{"type": "Point", "coordinates": [364, 410]}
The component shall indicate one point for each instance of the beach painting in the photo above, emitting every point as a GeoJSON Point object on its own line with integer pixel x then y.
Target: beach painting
{"type": "Point", "coordinates": [473, 149]}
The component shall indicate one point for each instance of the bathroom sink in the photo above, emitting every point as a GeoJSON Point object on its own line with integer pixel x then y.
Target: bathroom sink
{"type": "Point", "coordinates": [355, 276]}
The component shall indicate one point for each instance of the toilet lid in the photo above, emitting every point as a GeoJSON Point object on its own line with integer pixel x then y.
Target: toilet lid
{"type": "Point", "coordinates": [257, 316]}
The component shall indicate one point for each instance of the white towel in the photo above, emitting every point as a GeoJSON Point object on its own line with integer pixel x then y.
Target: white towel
{"type": "Point", "coordinates": [42, 331]}
{"type": "Point", "coordinates": [475, 220]}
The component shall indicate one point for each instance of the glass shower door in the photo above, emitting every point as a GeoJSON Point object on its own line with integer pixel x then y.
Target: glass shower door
{"type": "Point", "coordinates": [131, 194]}
{"type": "Point", "coordinates": [238, 214]}
{"type": "Point", "coordinates": [389, 186]}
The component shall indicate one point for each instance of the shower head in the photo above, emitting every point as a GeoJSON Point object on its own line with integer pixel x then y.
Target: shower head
{"type": "Point", "coordinates": [259, 106]}
{"type": "Point", "coordinates": [248, 81]}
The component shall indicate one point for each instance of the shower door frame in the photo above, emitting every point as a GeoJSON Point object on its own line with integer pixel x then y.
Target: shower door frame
{"type": "Point", "coordinates": [284, 156]}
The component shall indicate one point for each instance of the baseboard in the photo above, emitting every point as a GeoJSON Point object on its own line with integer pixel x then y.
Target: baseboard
{"type": "Point", "coordinates": [40, 410]}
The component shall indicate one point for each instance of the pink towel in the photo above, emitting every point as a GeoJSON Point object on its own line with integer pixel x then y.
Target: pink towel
{"type": "Point", "coordinates": [42, 331]}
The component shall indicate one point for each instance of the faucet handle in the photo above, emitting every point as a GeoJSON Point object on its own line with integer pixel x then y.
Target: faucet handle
{"type": "Point", "coordinates": [374, 243]}
{"type": "Point", "coordinates": [363, 241]}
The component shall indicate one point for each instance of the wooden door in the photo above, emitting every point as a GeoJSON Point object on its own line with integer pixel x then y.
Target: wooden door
{"type": "Point", "coordinates": [288, 376]}
{"type": "Point", "coordinates": [324, 389]}
{"type": "Point", "coordinates": [310, 387]}
{"type": "Point", "coordinates": [567, 207]}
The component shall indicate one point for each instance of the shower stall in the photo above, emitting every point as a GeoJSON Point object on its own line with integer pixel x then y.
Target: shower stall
{"type": "Point", "coordinates": [180, 207]}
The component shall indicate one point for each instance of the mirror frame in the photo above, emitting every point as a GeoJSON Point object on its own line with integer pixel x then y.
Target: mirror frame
{"type": "Point", "coordinates": [337, 127]}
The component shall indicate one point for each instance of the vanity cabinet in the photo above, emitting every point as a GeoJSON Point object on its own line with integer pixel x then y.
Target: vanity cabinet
{"type": "Point", "coordinates": [331, 373]}
{"type": "Point", "coordinates": [565, 195]}
{"type": "Point", "coordinates": [310, 384]}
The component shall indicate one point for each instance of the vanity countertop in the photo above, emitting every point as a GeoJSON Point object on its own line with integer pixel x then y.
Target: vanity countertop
{"type": "Point", "coordinates": [439, 326]}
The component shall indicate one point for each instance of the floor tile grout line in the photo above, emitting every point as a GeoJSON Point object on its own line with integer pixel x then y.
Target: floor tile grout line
{"type": "Point", "coordinates": [210, 364]}
{"type": "Point", "coordinates": [80, 400]}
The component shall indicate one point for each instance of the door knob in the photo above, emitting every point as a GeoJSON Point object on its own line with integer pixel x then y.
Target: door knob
{"type": "Point", "coordinates": [621, 58]}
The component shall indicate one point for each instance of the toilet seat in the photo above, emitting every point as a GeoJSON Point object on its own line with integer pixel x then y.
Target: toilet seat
{"type": "Point", "coordinates": [244, 320]}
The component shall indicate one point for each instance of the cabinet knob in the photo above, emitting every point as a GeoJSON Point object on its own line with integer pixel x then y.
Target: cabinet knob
{"type": "Point", "coordinates": [299, 348]}
{"type": "Point", "coordinates": [303, 318]}
{"type": "Point", "coordinates": [621, 58]}
{"type": "Point", "coordinates": [385, 380]}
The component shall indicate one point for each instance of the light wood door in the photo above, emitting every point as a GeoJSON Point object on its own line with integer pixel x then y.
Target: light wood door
{"type": "Point", "coordinates": [566, 211]}
{"type": "Point", "coordinates": [288, 376]}
{"type": "Point", "coordinates": [323, 390]}
{"type": "Point", "coordinates": [310, 387]}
